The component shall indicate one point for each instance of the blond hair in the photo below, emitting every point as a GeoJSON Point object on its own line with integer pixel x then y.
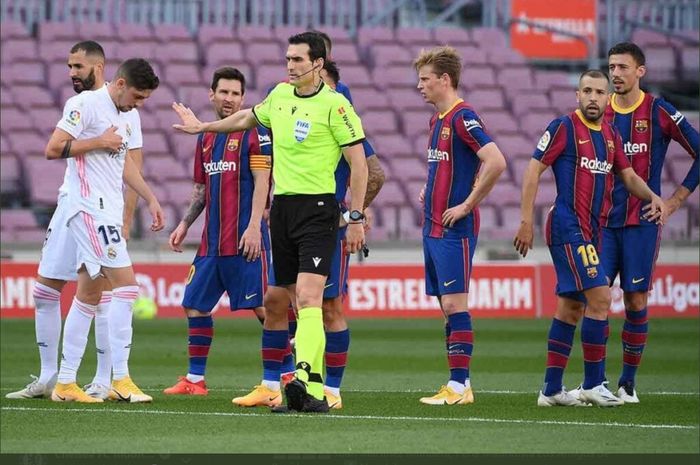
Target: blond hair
{"type": "Point", "coordinates": [444, 60]}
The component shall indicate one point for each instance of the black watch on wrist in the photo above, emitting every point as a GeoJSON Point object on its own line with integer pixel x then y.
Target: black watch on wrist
{"type": "Point", "coordinates": [356, 216]}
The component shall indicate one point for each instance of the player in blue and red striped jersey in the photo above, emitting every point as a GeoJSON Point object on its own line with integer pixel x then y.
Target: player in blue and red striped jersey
{"type": "Point", "coordinates": [459, 151]}
{"type": "Point", "coordinates": [582, 150]}
{"type": "Point", "coordinates": [231, 176]}
{"type": "Point", "coordinates": [647, 124]}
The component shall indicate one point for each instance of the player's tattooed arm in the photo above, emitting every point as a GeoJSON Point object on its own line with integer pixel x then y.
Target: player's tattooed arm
{"type": "Point", "coordinates": [63, 145]}
{"type": "Point", "coordinates": [375, 179]}
{"type": "Point", "coordinates": [196, 205]}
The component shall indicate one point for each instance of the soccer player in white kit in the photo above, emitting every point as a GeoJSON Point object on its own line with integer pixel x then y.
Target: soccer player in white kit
{"type": "Point", "coordinates": [94, 209]}
{"type": "Point", "coordinates": [86, 62]}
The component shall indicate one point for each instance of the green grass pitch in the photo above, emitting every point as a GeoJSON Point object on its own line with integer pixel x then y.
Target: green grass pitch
{"type": "Point", "coordinates": [391, 364]}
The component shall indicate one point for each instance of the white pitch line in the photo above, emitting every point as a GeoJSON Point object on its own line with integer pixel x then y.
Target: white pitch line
{"type": "Point", "coordinates": [365, 417]}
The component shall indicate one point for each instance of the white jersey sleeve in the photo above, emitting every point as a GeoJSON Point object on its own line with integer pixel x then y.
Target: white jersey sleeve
{"type": "Point", "coordinates": [76, 116]}
{"type": "Point", "coordinates": [134, 129]}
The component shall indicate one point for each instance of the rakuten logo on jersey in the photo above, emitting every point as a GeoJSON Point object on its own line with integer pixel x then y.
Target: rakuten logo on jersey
{"type": "Point", "coordinates": [438, 155]}
{"type": "Point", "coordinates": [218, 167]}
{"type": "Point", "coordinates": [633, 149]}
{"type": "Point", "coordinates": [596, 166]}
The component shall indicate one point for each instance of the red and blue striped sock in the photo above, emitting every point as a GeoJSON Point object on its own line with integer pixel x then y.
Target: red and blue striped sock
{"type": "Point", "coordinates": [201, 333]}
{"type": "Point", "coordinates": [634, 338]}
{"type": "Point", "coordinates": [288, 365]}
{"type": "Point", "coordinates": [559, 342]}
{"type": "Point", "coordinates": [594, 334]}
{"type": "Point", "coordinates": [459, 346]}
{"type": "Point", "coordinates": [337, 344]}
{"type": "Point", "coordinates": [274, 344]}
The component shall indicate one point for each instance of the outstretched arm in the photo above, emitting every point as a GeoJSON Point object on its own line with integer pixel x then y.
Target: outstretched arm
{"type": "Point", "coordinates": [239, 121]}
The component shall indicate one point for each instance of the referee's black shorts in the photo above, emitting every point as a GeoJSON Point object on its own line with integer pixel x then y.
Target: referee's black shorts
{"type": "Point", "coordinates": [303, 230]}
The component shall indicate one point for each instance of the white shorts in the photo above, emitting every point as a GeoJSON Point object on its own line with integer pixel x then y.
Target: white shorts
{"type": "Point", "coordinates": [99, 243]}
{"type": "Point", "coordinates": [59, 253]}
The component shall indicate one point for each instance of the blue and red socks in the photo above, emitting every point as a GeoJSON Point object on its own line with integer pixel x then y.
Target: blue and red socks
{"type": "Point", "coordinates": [594, 335]}
{"type": "Point", "coordinates": [200, 334]}
{"type": "Point", "coordinates": [559, 342]}
{"type": "Point", "coordinates": [460, 341]}
{"type": "Point", "coordinates": [634, 338]}
{"type": "Point", "coordinates": [337, 345]}
{"type": "Point", "coordinates": [274, 346]}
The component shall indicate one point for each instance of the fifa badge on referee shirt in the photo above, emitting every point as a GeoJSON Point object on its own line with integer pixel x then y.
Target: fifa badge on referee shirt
{"type": "Point", "coordinates": [301, 130]}
{"type": "Point", "coordinates": [641, 125]}
{"type": "Point", "coordinates": [592, 272]}
{"type": "Point", "coordinates": [445, 133]}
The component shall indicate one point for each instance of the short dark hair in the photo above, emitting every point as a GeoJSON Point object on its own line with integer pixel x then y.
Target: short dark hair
{"type": "Point", "coordinates": [629, 48]}
{"type": "Point", "coordinates": [332, 69]}
{"type": "Point", "coordinates": [594, 73]}
{"type": "Point", "coordinates": [228, 72]}
{"type": "Point", "coordinates": [317, 49]}
{"type": "Point", "coordinates": [138, 73]}
{"type": "Point", "coordinates": [90, 47]}
{"type": "Point", "coordinates": [326, 39]}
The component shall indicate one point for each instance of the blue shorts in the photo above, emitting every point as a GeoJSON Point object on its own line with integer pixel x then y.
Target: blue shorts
{"type": "Point", "coordinates": [245, 282]}
{"type": "Point", "coordinates": [578, 268]}
{"type": "Point", "coordinates": [448, 264]}
{"type": "Point", "coordinates": [631, 252]}
{"type": "Point", "coordinates": [369, 150]}
{"type": "Point", "coordinates": [337, 282]}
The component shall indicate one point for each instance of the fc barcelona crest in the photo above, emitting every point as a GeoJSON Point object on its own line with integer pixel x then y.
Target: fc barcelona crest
{"type": "Point", "coordinates": [445, 133]}
{"type": "Point", "coordinates": [232, 145]}
{"type": "Point", "coordinates": [611, 145]}
{"type": "Point", "coordinates": [592, 272]}
{"type": "Point", "coordinates": [641, 125]}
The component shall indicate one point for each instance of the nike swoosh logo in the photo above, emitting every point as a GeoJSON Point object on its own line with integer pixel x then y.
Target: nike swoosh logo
{"type": "Point", "coordinates": [635, 281]}
{"type": "Point", "coordinates": [248, 297]}
{"type": "Point", "coordinates": [206, 149]}
{"type": "Point", "coordinates": [121, 397]}
{"type": "Point", "coordinates": [328, 285]}
{"type": "Point", "coordinates": [583, 141]}
{"type": "Point", "coordinates": [62, 398]}
{"type": "Point", "coordinates": [270, 399]}
{"type": "Point", "coordinates": [447, 283]}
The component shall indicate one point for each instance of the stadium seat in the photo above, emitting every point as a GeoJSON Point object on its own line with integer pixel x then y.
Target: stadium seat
{"type": "Point", "coordinates": [498, 122]}
{"type": "Point", "coordinates": [178, 52]}
{"type": "Point", "coordinates": [29, 96]}
{"type": "Point", "coordinates": [478, 77]}
{"type": "Point", "coordinates": [132, 32]}
{"type": "Point", "coordinates": [409, 168]}
{"type": "Point", "coordinates": [488, 220]}
{"type": "Point", "coordinates": [98, 31]}
{"type": "Point", "coordinates": [367, 36]}
{"type": "Point", "coordinates": [394, 76]}
{"type": "Point", "coordinates": [178, 74]}
{"type": "Point", "coordinates": [662, 64]}
{"type": "Point", "coordinates": [162, 167]}
{"type": "Point", "coordinates": [406, 98]}
{"type": "Point", "coordinates": [148, 49]}
{"type": "Point", "coordinates": [10, 174]}
{"type": "Point", "coordinates": [173, 33]}
{"type": "Point", "coordinates": [27, 142]}
{"type": "Point", "coordinates": [677, 225]}
{"type": "Point", "coordinates": [500, 57]}
{"type": "Point", "coordinates": [395, 145]}
{"type": "Point", "coordinates": [255, 34]}
{"type": "Point", "coordinates": [690, 62]}
{"type": "Point", "coordinates": [367, 98]}
{"type": "Point", "coordinates": [391, 194]}
{"type": "Point", "coordinates": [546, 80]}
{"type": "Point", "coordinates": [380, 122]}
{"type": "Point", "coordinates": [12, 30]}
{"type": "Point", "coordinates": [58, 31]}
{"type": "Point", "coordinates": [527, 103]}
{"type": "Point", "coordinates": [264, 53]}
{"type": "Point", "coordinates": [415, 36]}
{"type": "Point", "coordinates": [416, 121]}
{"type": "Point", "coordinates": [563, 101]}
{"type": "Point", "coordinates": [346, 54]}
{"type": "Point", "coordinates": [13, 119]}
{"type": "Point", "coordinates": [210, 35]}
{"type": "Point", "coordinates": [533, 124]}
{"type": "Point", "coordinates": [485, 99]}
{"type": "Point", "coordinates": [224, 53]}
{"type": "Point", "coordinates": [388, 54]}
{"type": "Point", "coordinates": [43, 177]}
{"type": "Point", "coordinates": [489, 37]}
{"type": "Point", "coordinates": [454, 36]}
{"type": "Point", "coordinates": [45, 120]}
{"type": "Point", "coordinates": [646, 38]}
{"type": "Point", "coordinates": [27, 72]}
{"type": "Point", "coordinates": [514, 146]}
{"type": "Point", "coordinates": [14, 50]}
{"type": "Point", "coordinates": [473, 55]}
{"type": "Point", "coordinates": [356, 76]}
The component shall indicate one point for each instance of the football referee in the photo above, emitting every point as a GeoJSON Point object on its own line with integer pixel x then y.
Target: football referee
{"type": "Point", "coordinates": [311, 126]}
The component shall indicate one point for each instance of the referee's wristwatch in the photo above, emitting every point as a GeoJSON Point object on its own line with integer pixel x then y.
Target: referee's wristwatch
{"type": "Point", "coordinates": [356, 216]}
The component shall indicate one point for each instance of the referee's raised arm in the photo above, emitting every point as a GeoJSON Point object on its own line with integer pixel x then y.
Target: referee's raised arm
{"type": "Point", "coordinates": [239, 121]}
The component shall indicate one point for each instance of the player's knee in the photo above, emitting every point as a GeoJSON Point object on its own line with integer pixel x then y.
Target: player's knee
{"type": "Point", "coordinates": [635, 301]}
{"type": "Point", "coordinates": [90, 297]}
{"type": "Point", "coordinates": [192, 313]}
{"type": "Point", "coordinates": [307, 297]}
{"type": "Point", "coordinates": [599, 304]}
{"type": "Point", "coordinates": [333, 313]}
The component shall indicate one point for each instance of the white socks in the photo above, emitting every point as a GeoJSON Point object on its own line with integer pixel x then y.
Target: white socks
{"type": "Point", "coordinates": [47, 324]}
{"type": "Point", "coordinates": [120, 329]}
{"type": "Point", "coordinates": [103, 374]}
{"type": "Point", "coordinates": [271, 385]}
{"type": "Point", "coordinates": [456, 387]}
{"type": "Point", "coordinates": [75, 336]}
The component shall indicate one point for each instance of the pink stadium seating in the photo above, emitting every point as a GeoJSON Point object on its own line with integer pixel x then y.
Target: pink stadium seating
{"type": "Point", "coordinates": [515, 100]}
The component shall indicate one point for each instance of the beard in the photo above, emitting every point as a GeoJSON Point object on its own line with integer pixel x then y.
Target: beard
{"type": "Point", "coordinates": [85, 84]}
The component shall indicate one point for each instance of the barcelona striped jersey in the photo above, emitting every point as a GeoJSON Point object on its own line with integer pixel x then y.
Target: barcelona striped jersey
{"type": "Point", "coordinates": [646, 128]}
{"type": "Point", "coordinates": [224, 163]}
{"type": "Point", "coordinates": [455, 137]}
{"type": "Point", "coordinates": [582, 156]}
